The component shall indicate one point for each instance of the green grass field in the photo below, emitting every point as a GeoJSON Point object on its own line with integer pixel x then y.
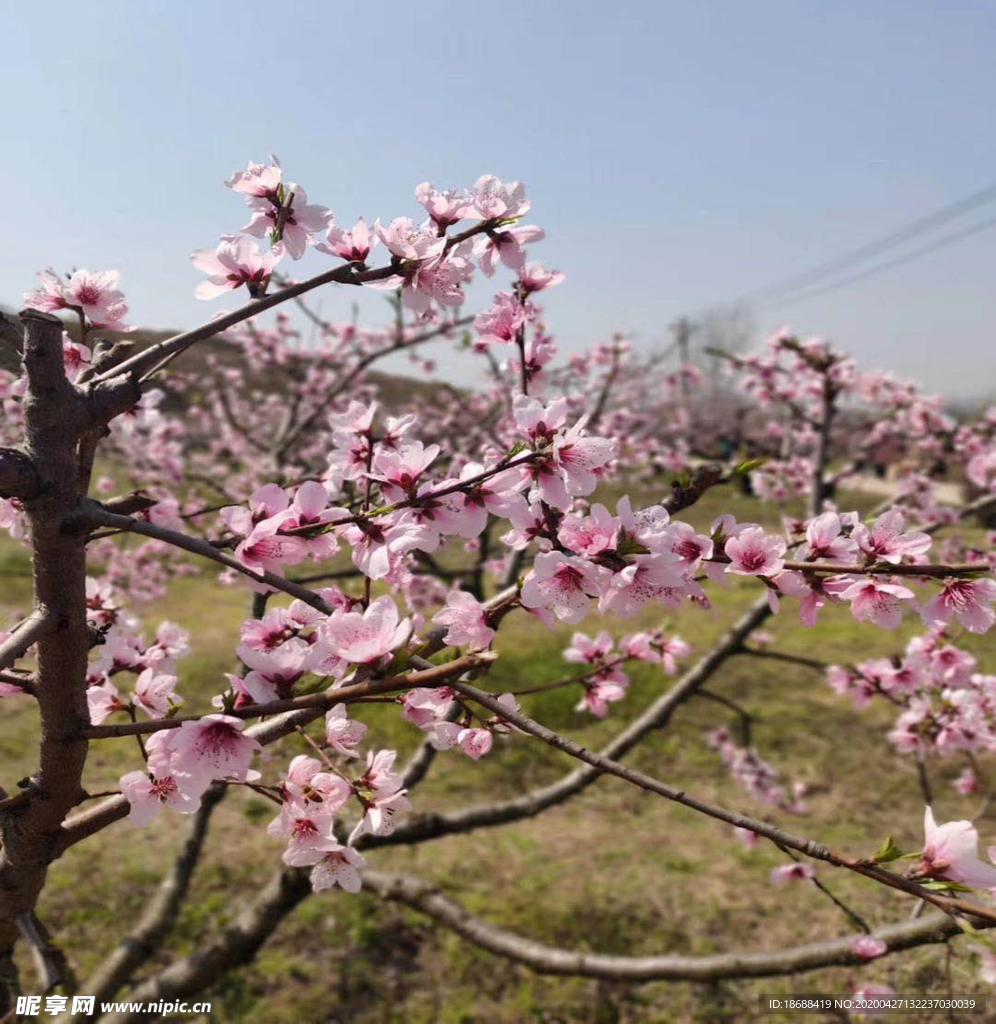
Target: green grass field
{"type": "Point", "coordinates": [616, 870]}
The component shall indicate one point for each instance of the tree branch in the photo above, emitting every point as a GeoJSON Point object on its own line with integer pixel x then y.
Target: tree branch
{"type": "Point", "coordinates": [99, 516]}
{"type": "Point", "coordinates": [139, 945]}
{"type": "Point", "coordinates": [427, 899]}
{"type": "Point", "coordinates": [422, 827]}
{"type": "Point", "coordinates": [435, 675]}
{"type": "Point", "coordinates": [36, 625]}
{"type": "Point", "coordinates": [780, 837]}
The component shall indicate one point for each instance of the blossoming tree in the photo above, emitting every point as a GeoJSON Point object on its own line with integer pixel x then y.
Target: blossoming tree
{"type": "Point", "coordinates": [262, 478]}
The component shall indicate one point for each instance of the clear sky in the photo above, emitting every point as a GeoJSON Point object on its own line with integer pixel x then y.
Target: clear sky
{"type": "Point", "coordinates": [679, 155]}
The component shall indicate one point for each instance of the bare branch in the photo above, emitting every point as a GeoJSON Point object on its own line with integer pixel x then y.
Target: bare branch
{"type": "Point", "coordinates": [39, 622]}
{"type": "Point", "coordinates": [426, 898]}
{"type": "Point", "coordinates": [236, 945]}
{"type": "Point", "coordinates": [160, 913]}
{"type": "Point", "coordinates": [51, 965]}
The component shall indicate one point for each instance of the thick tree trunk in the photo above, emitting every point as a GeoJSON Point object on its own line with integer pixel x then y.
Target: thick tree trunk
{"type": "Point", "coordinates": [55, 417]}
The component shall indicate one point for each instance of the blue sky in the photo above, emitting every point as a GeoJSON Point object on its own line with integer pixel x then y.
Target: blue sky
{"type": "Point", "coordinates": [679, 155]}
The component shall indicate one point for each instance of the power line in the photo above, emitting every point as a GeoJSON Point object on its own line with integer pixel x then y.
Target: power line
{"type": "Point", "coordinates": [864, 252]}
{"type": "Point", "coordinates": [879, 268]}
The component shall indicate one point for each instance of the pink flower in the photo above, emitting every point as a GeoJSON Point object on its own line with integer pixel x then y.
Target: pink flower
{"type": "Point", "coordinates": [886, 542]}
{"type": "Point", "coordinates": [197, 753]}
{"type": "Point", "coordinates": [401, 469]}
{"type": "Point", "coordinates": [96, 294]}
{"type": "Point", "coordinates": [364, 638]}
{"type": "Point", "coordinates": [967, 782]}
{"type": "Point", "coordinates": [75, 357]}
{"type": "Point", "coordinates": [377, 547]}
{"type": "Point", "coordinates": [156, 694]}
{"type": "Point", "coordinates": [146, 795]}
{"type": "Point", "coordinates": [869, 993]}
{"type": "Point", "coordinates": [501, 323]}
{"type": "Point", "coordinates": [475, 743]}
{"type": "Point", "coordinates": [409, 242]}
{"type": "Point", "coordinates": [464, 614]}
{"type": "Point", "coordinates": [355, 245]}
{"type": "Point", "coordinates": [585, 650]}
{"type": "Point", "coordinates": [791, 872]}
{"type": "Point", "coordinates": [309, 829]}
{"type": "Point", "coordinates": [579, 456]}
{"type": "Point", "coordinates": [266, 549]}
{"type": "Point", "coordinates": [300, 220]}
{"type": "Point", "coordinates": [237, 261]}
{"type": "Point", "coordinates": [967, 600]}
{"type": "Point", "coordinates": [103, 700]}
{"type": "Point", "coordinates": [386, 797]}
{"type": "Point", "coordinates": [601, 691]}
{"type": "Point", "coordinates": [868, 946]}
{"type": "Point", "coordinates": [753, 553]}
{"type": "Point", "coordinates": [748, 838]}
{"type": "Point", "coordinates": [493, 200]}
{"type": "Point", "coordinates": [648, 578]}
{"type": "Point", "coordinates": [534, 278]}
{"type": "Point", "coordinates": [259, 180]}
{"type": "Point", "coordinates": [445, 208]}
{"type": "Point", "coordinates": [507, 246]}
{"type": "Point", "coordinates": [823, 535]}
{"type": "Point", "coordinates": [562, 584]}
{"type": "Point", "coordinates": [341, 733]}
{"type": "Point", "coordinates": [655, 647]}
{"type": "Point", "coordinates": [950, 852]}
{"type": "Point", "coordinates": [340, 866]}
{"type": "Point", "coordinates": [876, 602]}
{"type": "Point", "coordinates": [498, 495]}
{"type": "Point", "coordinates": [426, 705]}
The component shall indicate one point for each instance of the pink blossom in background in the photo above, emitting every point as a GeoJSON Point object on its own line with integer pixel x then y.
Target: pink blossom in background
{"type": "Point", "coordinates": [791, 872]}
{"type": "Point", "coordinates": [868, 946]}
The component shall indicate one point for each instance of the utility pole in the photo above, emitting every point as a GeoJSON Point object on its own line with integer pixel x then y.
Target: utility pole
{"type": "Point", "coordinates": [682, 329]}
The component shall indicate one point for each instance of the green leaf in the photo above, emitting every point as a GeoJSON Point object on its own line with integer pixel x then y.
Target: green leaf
{"type": "Point", "coordinates": [968, 928]}
{"type": "Point", "coordinates": [519, 446]}
{"type": "Point", "coordinates": [943, 885]}
{"type": "Point", "coordinates": [748, 466]}
{"type": "Point", "coordinates": [887, 851]}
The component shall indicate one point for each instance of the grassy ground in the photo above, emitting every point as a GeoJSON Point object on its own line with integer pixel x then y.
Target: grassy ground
{"type": "Point", "coordinates": [616, 870]}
